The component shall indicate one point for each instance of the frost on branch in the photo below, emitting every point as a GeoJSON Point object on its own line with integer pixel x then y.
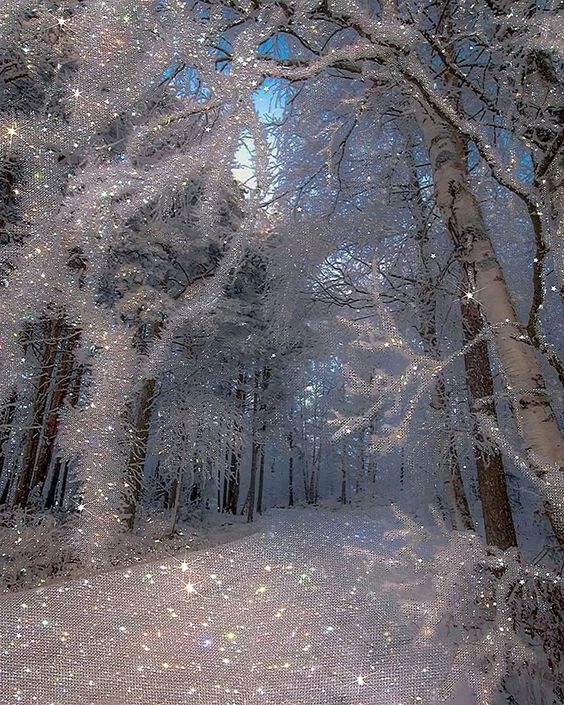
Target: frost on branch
{"type": "Point", "coordinates": [398, 386]}
{"type": "Point", "coordinates": [475, 603]}
{"type": "Point", "coordinates": [129, 212]}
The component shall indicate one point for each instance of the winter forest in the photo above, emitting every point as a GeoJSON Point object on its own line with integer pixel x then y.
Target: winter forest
{"type": "Point", "coordinates": [281, 352]}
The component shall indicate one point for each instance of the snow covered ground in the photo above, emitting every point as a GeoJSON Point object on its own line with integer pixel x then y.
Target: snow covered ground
{"type": "Point", "coordinates": [316, 609]}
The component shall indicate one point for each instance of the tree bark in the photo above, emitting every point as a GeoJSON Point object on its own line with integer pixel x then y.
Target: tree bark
{"type": "Point", "coordinates": [60, 391]}
{"type": "Point", "coordinates": [59, 479]}
{"type": "Point", "coordinates": [138, 452]}
{"type": "Point", "coordinates": [457, 502]}
{"type": "Point", "coordinates": [250, 502]}
{"type": "Point", "coordinates": [6, 420]}
{"type": "Point", "coordinates": [52, 331]}
{"type": "Point", "coordinates": [531, 408]}
{"type": "Point", "coordinates": [496, 509]}
{"type": "Point", "coordinates": [142, 422]}
{"type": "Point", "coordinates": [260, 491]}
{"type": "Point", "coordinates": [262, 413]}
{"type": "Point", "coordinates": [344, 498]}
{"type": "Point", "coordinates": [291, 470]}
{"type": "Point", "coordinates": [317, 476]}
{"type": "Point", "coordinates": [257, 453]}
{"type": "Point", "coordinates": [174, 500]}
{"type": "Point", "coordinates": [231, 495]}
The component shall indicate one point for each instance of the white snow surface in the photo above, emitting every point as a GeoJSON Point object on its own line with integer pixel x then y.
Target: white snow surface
{"type": "Point", "coordinates": [310, 610]}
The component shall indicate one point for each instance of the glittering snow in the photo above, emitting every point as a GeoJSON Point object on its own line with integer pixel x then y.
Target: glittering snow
{"type": "Point", "coordinates": [302, 613]}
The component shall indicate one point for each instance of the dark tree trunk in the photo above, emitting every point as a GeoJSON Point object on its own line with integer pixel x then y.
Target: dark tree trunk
{"type": "Point", "coordinates": [317, 475]}
{"type": "Point", "coordinates": [138, 455]}
{"type": "Point", "coordinates": [231, 495]}
{"type": "Point", "coordinates": [6, 420]}
{"type": "Point", "coordinates": [174, 499]}
{"type": "Point", "coordinates": [262, 421]}
{"type": "Point", "coordinates": [457, 501]}
{"type": "Point", "coordinates": [291, 471]}
{"type": "Point", "coordinates": [52, 331]}
{"type": "Point", "coordinates": [261, 480]}
{"type": "Point", "coordinates": [250, 502]}
{"type": "Point", "coordinates": [255, 453]}
{"type": "Point", "coordinates": [142, 421]}
{"type": "Point", "coordinates": [498, 520]}
{"type": "Point", "coordinates": [344, 498]}
{"type": "Point", "coordinates": [61, 469]}
{"type": "Point", "coordinates": [64, 484]}
{"type": "Point", "coordinates": [58, 396]}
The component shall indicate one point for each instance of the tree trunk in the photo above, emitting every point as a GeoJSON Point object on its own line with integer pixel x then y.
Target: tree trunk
{"type": "Point", "coordinates": [138, 452]}
{"type": "Point", "coordinates": [457, 502]}
{"type": "Point", "coordinates": [60, 391]}
{"type": "Point", "coordinates": [260, 492]}
{"type": "Point", "coordinates": [257, 453]}
{"type": "Point", "coordinates": [372, 468]}
{"type": "Point", "coordinates": [343, 476]}
{"type": "Point", "coordinates": [531, 408]}
{"type": "Point", "coordinates": [231, 495]}
{"type": "Point", "coordinates": [52, 332]}
{"type": "Point", "coordinates": [291, 471]}
{"type": "Point", "coordinates": [250, 502]}
{"type": "Point", "coordinates": [174, 500]}
{"type": "Point", "coordinates": [262, 413]}
{"type": "Point", "coordinates": [317, 476]}
{"type": "Point", "coordinates": [64, 481]}
{"type": "Point", "coordinates": [142, 423]}
{"type": "Point", "coordinates": [360, 479]}
{"type": "Point", "coordinates": [496, 509]}
{"type": "Point", "coordinates": [60, 478]}
{"type": "Point", "coordinates": [310, 481]}
{"type": "Point", "coordinates": [7, 419]}
{"type": "Point", "coordinates": [454, 484]}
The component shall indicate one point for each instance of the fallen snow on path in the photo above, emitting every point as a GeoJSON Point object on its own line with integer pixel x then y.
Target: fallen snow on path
{"type": "Point", "coordinates": [303, 613]}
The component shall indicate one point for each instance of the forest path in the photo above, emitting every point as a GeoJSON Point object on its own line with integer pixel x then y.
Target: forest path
{"type": "Point", "coordinates": [302, 613]}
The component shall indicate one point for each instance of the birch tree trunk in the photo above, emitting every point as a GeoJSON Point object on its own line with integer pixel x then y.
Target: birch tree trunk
{"type": "Point", "coordinates": [457, 501]}
{"type": "Point", "coordinates": [531, 408]}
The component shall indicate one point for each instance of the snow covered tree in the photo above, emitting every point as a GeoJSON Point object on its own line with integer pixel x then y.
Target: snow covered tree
{"type": "Point", "coordinates": [293, 262]}
{"type": "Point", "coordinates": [398, 48]}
